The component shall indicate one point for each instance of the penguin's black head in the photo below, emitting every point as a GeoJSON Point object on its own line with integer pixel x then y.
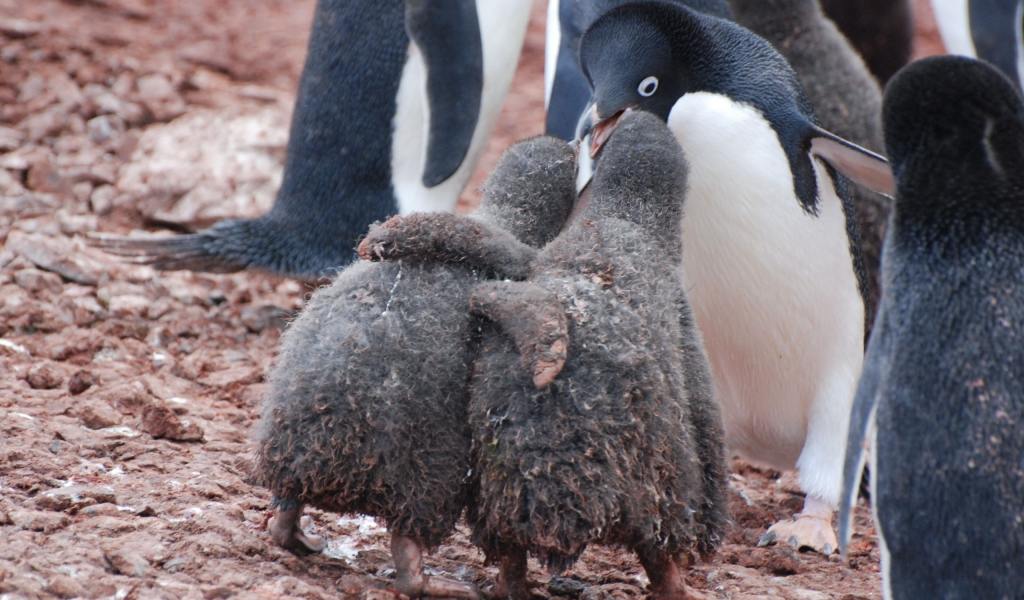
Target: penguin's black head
{"type": "Point", "coordinates": [953, 111]}
{"type": "Point", "coordinates": [627, 56]}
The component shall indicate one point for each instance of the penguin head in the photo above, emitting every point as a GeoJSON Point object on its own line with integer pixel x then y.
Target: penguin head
{"type": "Point", "coordinates": [642, 176]}
{"type": "Point", "coordinates": [954, 111]}
{"type": "Point", "coordinates": [532, 189]}
{"type": "Point", "coordinates": [647, 55]}
{"type": "Point", "coordinates": [628, 57]}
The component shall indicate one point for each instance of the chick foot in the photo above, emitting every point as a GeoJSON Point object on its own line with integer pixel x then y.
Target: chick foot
{"type": "Point", "coordinates": [285, 531]}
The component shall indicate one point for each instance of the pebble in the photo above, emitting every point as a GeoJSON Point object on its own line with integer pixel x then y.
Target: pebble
{"type": "Point", "coordinates": [160, 421]}
{"type": "Point", "coordinates": [74, 497]}
{"type": "Point", "coordinates": [98, 415]}
{"type": "Point", "coordinates": [45, 376]}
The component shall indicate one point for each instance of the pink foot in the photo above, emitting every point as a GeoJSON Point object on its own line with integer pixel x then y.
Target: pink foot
{"type": "Point", "coordinates": [286, 533]}
{"type": "Point", "coordinates": [811, 528]}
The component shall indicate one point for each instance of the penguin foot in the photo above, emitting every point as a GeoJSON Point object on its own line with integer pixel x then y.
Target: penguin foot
{"type": "Point", "coordinates": [666, 579]}
{"type": "Point", "coordinates": [286, 533]}
{"type": "Point", "coordinates": [411, 581]}
{"type": "Point", "coordinates": [810, 529]}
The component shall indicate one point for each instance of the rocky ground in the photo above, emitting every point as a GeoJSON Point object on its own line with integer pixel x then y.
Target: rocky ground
{"type": "Point", "coordinates": [128, 396]}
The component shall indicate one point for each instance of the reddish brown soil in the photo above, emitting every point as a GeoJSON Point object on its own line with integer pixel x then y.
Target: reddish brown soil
{"type": "Point", "coordinates": [128, 397]}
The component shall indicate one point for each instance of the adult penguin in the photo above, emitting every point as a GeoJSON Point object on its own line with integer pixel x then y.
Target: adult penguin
{"type": "Point", "coordinates": [395, 105]}
{"type": "Point", "coordinates": [942, 394]}
{"type": "Point", "coordinates": [771, 249]}
{"type": "Point", "coordinates": [992, 30]}
{"type": "Point", "coordinates": [845, 96]}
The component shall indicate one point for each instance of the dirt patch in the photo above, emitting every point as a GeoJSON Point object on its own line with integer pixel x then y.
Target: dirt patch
{"type": "Point", "coordinates": [128, 397]}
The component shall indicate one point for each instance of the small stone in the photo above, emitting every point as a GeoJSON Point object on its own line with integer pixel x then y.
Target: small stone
{"type": "Point", "coordinates": [44, 177]}
{"type": "Point", "coordinates": [63, 586]}
{"type": "Point", "coordinates": [128, 305]}
{"type": "Point", "coordinates": [160, 421]}
{"type": "Point", "coordinates": [98, 415]}
{"type": "Point", "coordinates": [563, 586]}
{"type": "Point", "coordinates": [266, 316]}
{"type": "Point", "coordinates": [74, 497]}
{"type": "Point", "coordinates": [104, 509]}
{"type": "Point", "coordinates": [102, 200]}
{"type": "Point", "coordinates": [36, 520]}
{"type": "Point", "coordinates": [45, 376]}
{"type": "Point", "coordinates": [218, 593]}
{"type": "Point", "coordinates": [127, 561]}
{"type": "Point", "coordinates": [35, 280]}
{"type": "Point", "coordinates": [81, 191]}
{"type": "Point", "coordinates": [783, 561]}
{"type": "Point", "coordinates": [104, 127]}
{"type": "Point", "coordinates": [58, 255]}
{"type": "Point", "coordinates": [79, 382]}
{"type": "Point", "coordinates": [19, 28]}
{"type": "Point", "coordinates": [72, 224]}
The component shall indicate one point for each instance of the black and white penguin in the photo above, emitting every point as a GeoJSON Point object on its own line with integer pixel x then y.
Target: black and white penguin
{"type": "Point", "coordinates": [771, 250]}
{"type": "Point", "coordinates": [395, 105]}
{"type": "Point", "coordinates": [882, 31]}
{"type": "Point", "coordinates": [992, 30]}
{"type": "Point", "coordinates": [845, 96]}
{"type": "Point", "coordinates": [566, 90]}
{"type": "Point", "coordinates": [942, 393]}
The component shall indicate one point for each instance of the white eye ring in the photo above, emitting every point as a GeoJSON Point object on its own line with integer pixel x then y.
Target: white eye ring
{"type": "Point", "coordinates": [648, 86]}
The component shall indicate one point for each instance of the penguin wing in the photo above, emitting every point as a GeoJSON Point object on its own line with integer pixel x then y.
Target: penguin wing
{"type": "Point", "coordinates": [876, 365]}
{"type": "Point", "coordinates": [447, 32]}
{"type": "Point", "coordinates": [996, 30]}
{"type": "Point", "coordinates": [858, 164]}
{"type": "Point", "coordinates": [534, 318]}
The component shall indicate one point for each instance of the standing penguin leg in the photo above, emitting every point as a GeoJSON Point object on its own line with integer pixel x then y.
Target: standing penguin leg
{"type": "Point", "coordinates": [413, 582]}
{"type": "Point", "coordinates": [512, 583]}
{"type": "Point", "coordinates": [821, 464]}
{"type": "Point", "coordinates": [286, 533]}
{"type": "Point", "coordinates": [666, 580]}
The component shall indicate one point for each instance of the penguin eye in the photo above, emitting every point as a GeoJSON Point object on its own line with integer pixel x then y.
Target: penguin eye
{"type": "Point", "coordinates": [648, 86]}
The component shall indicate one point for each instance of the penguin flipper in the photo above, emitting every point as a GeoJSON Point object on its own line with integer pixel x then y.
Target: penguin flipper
{"type": "Point", "coordinates": [449, 238]}
{"type": "Point", "coordinates": [447, 32]}
{"type": "Point", "coordinates": [858, 164]}
{"type": "Point", "coordinates": [534, 318]}
{"type": "Point", "coordinates": [876, 362]}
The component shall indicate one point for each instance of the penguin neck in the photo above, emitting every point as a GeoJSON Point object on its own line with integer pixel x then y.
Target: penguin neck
{"type": "Point", "coordinates": [661, 223]}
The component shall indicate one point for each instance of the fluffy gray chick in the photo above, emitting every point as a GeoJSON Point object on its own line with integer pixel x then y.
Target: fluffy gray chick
{"type": "Point", "coordinates": [366, 409]}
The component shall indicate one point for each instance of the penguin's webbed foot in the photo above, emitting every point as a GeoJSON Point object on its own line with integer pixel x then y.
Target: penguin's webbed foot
{"type": "Point", "coordinates": [666, 580]}
{"type": "Point", "coordinates": [414, 583]}
{"type": "Point", "coordinates": [286, 532]}
{"type": "Point", "coordinates": [810, 529]}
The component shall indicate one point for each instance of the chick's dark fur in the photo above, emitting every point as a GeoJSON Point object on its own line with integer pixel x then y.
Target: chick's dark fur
{"type": "Point", "coordinates": [609, 451]}
{"type": "Point", "coordinates": [366, 409]}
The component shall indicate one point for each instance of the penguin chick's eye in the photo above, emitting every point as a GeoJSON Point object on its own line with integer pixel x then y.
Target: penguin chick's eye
{"type": "Point", "coordinates": [648, 86]}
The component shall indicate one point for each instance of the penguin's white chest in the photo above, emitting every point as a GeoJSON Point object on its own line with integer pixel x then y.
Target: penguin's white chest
{"type": "Point", "coordinates": [502, 30]}
{"type": "Point", "coordinates": [773, 287]}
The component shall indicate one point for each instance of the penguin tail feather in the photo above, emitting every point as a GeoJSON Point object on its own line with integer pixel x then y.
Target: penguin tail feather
{"type": "Point", "coordinates": [203, 251]}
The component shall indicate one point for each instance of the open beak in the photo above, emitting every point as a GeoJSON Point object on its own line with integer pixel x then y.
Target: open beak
{"type": "Point", "coordinates": [599, 129]}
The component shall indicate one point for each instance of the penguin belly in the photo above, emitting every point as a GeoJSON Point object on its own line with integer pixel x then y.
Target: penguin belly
{"type": "Point", "coordinates": [774, 292]}
{"type": "Point", "coordinates": [502, 29]}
